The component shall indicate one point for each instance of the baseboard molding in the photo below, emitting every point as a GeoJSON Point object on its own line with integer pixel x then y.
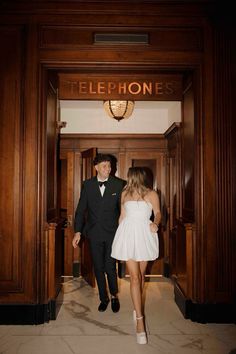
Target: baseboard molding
{"type": "Point", "coordinates": [23, 314]}
{"type": "Point", "coordinates": [30, 314]}
{"type": "Point", "coordinates": [205, 312]}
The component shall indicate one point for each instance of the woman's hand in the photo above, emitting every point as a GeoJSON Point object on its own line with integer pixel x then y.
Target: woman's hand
{"type": "Point", "coordinates": [153, 227]}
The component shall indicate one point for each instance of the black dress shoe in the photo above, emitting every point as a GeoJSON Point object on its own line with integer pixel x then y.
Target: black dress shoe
{"type": "Point", "coordinates": [115, 304]}
{"type": "Point", "coordinates": [103, 306]}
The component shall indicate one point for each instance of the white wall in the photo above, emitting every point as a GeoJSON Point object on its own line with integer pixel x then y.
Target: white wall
{"type": "Point", "coordinates": [148, 117]}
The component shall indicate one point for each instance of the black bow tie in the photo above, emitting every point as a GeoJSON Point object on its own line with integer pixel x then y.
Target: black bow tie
{"type": "Point", "coordinates": [102, 183]}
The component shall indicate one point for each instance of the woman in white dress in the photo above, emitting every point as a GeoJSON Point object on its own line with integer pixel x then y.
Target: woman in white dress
{"type": "Point", "coordinates": [136, 239]}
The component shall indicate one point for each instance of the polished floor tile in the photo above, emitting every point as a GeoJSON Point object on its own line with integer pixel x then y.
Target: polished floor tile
{"type": "Point", "coordinates": [80, 328]}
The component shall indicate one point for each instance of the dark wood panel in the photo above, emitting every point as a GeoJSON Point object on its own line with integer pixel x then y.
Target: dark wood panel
{"type": "Point", "coordinates": [71, 185]}
{"type": "Point", "coordinates": [11, 172]}
{"type": "Point", "coordinates": [70, 142]}
{"type": "Point", "coordinates": [118, 13]}
{"type": "Point", "coordinates": [170, 39]}
{"type": "Point", "coordinates": [52, 157]}
{"type": "Point", "coordinates": [225, 202]}
{"type": "Point", "coordinates": [174, 193]}
{"type": "Point", "coordinates": [173, 136]}
{"type": "Point", "coordinates": [232, 148]}
{"type": "Point", "coordinates": [184, 257]}
{"type": "Point", "coordinates": [188, 152]}
{"type": "Point", "coordinates": [128, 58]}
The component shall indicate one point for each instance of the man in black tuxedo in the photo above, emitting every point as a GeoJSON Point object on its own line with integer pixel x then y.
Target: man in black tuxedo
{"type": "Point", "coordinates": [100, 200]}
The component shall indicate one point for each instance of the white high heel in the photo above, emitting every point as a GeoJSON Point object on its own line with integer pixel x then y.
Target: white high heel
{"type": "Point", "coordinates": [141, 336]}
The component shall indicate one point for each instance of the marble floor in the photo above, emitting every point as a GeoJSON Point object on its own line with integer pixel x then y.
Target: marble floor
{"type": "Point", "coordinates": [81, 329]}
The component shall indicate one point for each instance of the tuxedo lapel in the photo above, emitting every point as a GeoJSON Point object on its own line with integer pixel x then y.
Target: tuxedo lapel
{"type": "Point", "coordinates": [108, 188]}
{"type": "Point", "coordinates": [96, 189]}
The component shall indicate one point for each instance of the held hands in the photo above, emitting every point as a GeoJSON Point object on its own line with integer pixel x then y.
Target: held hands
{"type": "Point", "coordinates": [153, 227]}
{"type": "Point", "coordinates": [76, 239]}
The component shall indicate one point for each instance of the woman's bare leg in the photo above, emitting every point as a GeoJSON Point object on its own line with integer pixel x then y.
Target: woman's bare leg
{"type": "Point", "coordinates": [136, 291]}
{"type": "Point", "coordinates": [142, 267]}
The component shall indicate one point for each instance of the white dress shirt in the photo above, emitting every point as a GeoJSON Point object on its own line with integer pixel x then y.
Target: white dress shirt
{"type": "Point", "coordinates": [102, 188]}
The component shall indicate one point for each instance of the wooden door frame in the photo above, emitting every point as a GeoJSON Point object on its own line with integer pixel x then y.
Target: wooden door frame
{"type": "Point", "coordinates": [197, 163]}
{"type": "Point", "coordinates": [71, 263]}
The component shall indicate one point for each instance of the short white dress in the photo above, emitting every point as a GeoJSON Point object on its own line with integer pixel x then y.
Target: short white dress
{"type": "Point", "coordinates": [133, 238]}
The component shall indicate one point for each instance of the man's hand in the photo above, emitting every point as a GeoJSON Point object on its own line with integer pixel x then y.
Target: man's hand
{"type": "Point", "coordinates": [76, 239]}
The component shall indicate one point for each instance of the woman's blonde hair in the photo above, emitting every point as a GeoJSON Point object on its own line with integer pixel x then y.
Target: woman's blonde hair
{"type": "Point", "coordinates": [137, 182]}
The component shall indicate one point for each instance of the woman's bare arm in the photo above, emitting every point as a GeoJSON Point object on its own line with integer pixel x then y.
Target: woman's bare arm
{"type": "Point", "coordinates": [122, 209]}
{"type": "Point", "coordinates": [154, 200]}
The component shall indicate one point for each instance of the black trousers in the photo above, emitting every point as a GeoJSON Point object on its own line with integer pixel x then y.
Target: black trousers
{"type": "Point", "coordinates": [104, 265]}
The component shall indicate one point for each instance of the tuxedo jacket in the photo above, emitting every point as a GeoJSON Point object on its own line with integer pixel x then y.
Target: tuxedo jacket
{"type": "Point", "coordinates": [96, 215]}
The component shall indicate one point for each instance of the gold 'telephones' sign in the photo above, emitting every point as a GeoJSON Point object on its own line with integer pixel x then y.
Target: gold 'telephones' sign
{"type": "Point", "coordinates": [127, 87]}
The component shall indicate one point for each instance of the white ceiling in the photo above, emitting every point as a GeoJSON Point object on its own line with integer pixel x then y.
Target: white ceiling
{"type": "Point", "coordinates": [148, 117]}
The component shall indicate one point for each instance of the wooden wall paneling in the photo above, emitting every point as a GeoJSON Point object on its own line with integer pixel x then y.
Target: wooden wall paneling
{"type": "Point", "coordinates": [174, 191]}
{"type": "Point", "coordinates": [59, 256]}
{"type": "Point", "coordinates": [204, 248]}
{"type": "Point", "coordinates": [166, 39]}
{"type": "Point", "coordinates": [165, 211]}
{"type": "Point", "coordinates": [11, 148]}
{"type": "Point", "coordinates": [184, 257]}
{"type": "Point", "coordinates": [173, 219]}
{"type": "Point", "coordinates": [188, 151]}
{"type": "Point", "coordinates": [232, 150]}
{"type": "Point", "coordinates": [55, 235]}
{"type": "Point", "coordinates": [73, 173]}
{"type": "Point", "coordinates": [224, 239]}
{"type": "Point", "coordinates": [52, 146]}
{"type": "Point", "coordinates": [190, 237]}
{"type": "Point", "coordinates": [181, 252]}
{"type": "Point", "coordinates": [50, 192]}
{"type": "Point", "coordinates": [62, 186]}
{"type": "Point", "coordinates": [69, 206]}
{"type": "Point", "coordinates": [31, 168]}
{"type": "Point", "coordinates": [122, 164]}
{"type": "Point", "coordinates": [113, 142]}
{"type": "Point", "coordinates": [70, 188]}
{"type": "Point", "coordinates": [146, 13]}
{"type": "Point", "coordinates": [51, 260]}
{"type": "Point", "coordinates": [76, 193]}
{"type": "Point", "coordinates": [20, 276]}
